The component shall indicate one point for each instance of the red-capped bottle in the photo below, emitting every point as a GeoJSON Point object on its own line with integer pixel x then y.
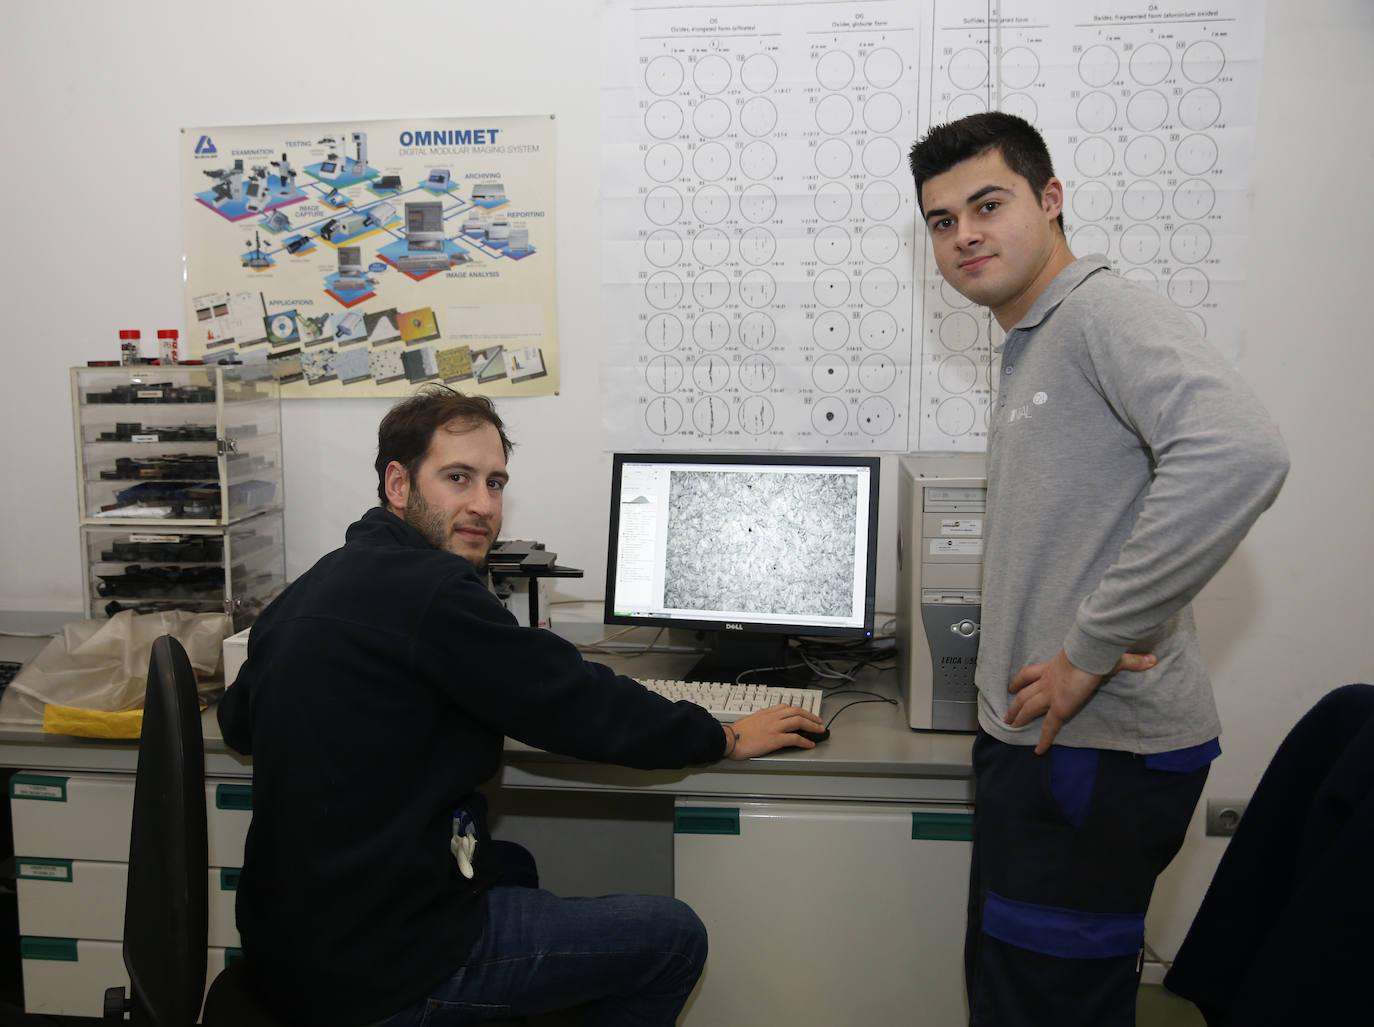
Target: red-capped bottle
{"type": "Point", "coordinates": [129, 345]}
{"type": "Point", "coordinates": [167, 350]}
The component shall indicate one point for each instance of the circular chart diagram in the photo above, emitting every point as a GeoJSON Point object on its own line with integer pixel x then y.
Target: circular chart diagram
{"type": "Point", "coordinates": [759, 72]}
{"type": "Point", "coordinates": [711, 331]}
{"type": "Point", "coordinates": [757, 330]}
{"type": "Point", "coordinates": [711, 74]}
{"type": "Point", "coordinates": [756, 415]}
{"type": "Point", "coordinates": [833, 201]}
{"type": "Point", "coordinates": [663, 332]}
{"type": "Point", "coordinates": [664, 75]}
{"type": "Point", "coordinates": [831, 330]}
{"type": "Point", "coordinates": [711, 204]}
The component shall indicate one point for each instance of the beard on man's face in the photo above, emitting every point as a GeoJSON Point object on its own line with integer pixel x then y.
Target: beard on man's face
{"type": "Point", "coordinates": [431, 522]}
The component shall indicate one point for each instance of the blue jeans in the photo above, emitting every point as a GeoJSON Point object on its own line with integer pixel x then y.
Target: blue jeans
{"type": "Point", "coordinates": [630, 959]}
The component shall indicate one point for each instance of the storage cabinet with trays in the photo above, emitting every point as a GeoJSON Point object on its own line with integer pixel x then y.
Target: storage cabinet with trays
{"type": "Point", "coordinates": [179, 472]}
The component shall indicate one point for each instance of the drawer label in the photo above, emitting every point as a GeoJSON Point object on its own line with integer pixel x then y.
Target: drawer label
{"type": "Point", "coordinates": [956, 547]}
{"type": "Point", "coordinates": [961, 526]}
{"type": "Point", "coordinates": [44, 869]}
{"type": "Point", "coordinates": [38, 786]}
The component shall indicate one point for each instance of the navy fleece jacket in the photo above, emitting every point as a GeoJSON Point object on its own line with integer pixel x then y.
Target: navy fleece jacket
{"type": "Point", "coordinates": [375, 699]}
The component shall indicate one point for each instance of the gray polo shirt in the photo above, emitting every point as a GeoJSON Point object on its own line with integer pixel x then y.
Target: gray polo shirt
{"type": "Point", "coordinates": [1126, 461]}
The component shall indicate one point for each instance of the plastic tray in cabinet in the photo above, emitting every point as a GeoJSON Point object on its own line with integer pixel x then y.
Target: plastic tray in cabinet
{"type": "Point", "coordinates": [136, 547]}
{"type": "Point", "coordinates": [153, 390]}
{"type": "Point", "coordinates": [177, 499]}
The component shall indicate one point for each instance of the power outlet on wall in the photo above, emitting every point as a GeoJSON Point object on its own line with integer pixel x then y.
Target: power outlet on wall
{"type": "Point", "coordinates": [1223, 815]}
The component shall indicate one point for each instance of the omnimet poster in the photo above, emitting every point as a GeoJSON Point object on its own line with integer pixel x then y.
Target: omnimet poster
{"type": "Point", "coordinates": [366, 258]}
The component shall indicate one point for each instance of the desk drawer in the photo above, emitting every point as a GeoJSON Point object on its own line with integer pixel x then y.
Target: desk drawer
{"type": "Point", "coordinates": [78, 898]}
{"type": "Point", "coordinates": [68, 976]}
{"type": "Point", "coordinates": [87, 816]}
{"type": "Point", "coordinates": [889, 884]}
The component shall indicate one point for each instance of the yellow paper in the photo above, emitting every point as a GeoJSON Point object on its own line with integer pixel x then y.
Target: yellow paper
{"type": "Point", "coordinates": [71, 720]}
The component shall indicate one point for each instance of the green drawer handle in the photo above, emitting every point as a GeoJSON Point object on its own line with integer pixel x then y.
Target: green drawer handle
{"type": "Point", "coordinates": [56, 949]}
{"type": "Point", "coordinates": [705, 820]}
{"type": "Point", "coordinates": [232, 956]}
{"type": "Point", "coordinates": [942, 827]}
{"type": "Point", "coordinates": [229, 878]}
{"type": "Point", "coordinates": [237, 797]}
{"type": "Point", "coordinates": [38, 786]}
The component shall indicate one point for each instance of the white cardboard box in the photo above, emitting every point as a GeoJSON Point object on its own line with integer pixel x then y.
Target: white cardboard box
{"type": "Point", "coordinates": [235, 652]}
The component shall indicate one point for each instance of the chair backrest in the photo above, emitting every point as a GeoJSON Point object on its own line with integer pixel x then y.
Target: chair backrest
{"type": "Point", "coordinates": [166, 904]}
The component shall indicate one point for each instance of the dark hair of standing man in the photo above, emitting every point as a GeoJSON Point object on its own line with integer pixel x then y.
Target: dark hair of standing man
{"type": "Point", "coordinates": [1020, 145]}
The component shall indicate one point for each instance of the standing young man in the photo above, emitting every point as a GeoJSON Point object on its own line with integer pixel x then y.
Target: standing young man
{"type": "Point", "coordinates": [1126, 461]}
{"type": "Point", "coordinates": [375, 700]}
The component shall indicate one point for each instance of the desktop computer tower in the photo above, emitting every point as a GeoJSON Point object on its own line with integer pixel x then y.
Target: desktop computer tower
{"type": "Point", "coordinates": [941, 501]}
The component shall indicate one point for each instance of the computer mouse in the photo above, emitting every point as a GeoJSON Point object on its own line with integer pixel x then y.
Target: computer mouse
{"type": "Point", "coordinates": [814, 736]}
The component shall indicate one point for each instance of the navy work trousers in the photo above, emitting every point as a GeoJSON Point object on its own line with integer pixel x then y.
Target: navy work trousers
{"type": "Point", "coordinates": [1066, 850]}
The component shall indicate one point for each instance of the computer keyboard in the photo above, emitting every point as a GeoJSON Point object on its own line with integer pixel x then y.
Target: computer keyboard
{"type": "Point", "coordinates": [727, 702]}
{"type": "Point", "coordinates": [413, 261]}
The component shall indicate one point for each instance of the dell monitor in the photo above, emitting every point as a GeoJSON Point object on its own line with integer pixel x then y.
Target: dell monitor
{"type": "Point", "coordinates": [751, 548]}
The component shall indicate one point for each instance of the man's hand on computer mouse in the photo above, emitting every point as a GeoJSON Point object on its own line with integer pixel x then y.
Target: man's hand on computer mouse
{"type": "Point", "coordinates": [769, 730]}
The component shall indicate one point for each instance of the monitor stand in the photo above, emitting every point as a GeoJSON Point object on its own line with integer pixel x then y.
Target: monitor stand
{"type": "Point", "coordinates": [730, 653]}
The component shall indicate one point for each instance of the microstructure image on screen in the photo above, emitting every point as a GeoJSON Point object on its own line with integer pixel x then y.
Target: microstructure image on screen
{"type": "Point", "coordinates": [761, 542]}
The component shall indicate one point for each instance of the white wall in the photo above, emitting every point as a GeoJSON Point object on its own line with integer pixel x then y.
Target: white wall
{"type": "Point", "coordinates": [96, 92]}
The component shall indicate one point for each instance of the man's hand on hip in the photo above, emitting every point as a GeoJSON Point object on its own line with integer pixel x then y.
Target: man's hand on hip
{"type": "Point", "coordinates": [1057, 690]}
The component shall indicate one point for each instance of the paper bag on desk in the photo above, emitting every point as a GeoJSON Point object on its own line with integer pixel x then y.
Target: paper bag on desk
{"type": "Point", "coordinates": [97, 670]}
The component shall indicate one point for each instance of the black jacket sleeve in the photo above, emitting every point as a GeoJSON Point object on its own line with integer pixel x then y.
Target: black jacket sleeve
{"type": "Point", "coordinates": [534, 686]}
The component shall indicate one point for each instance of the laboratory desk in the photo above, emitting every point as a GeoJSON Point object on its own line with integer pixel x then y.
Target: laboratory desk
{"type": "Point", "coordinates": [832, 881]}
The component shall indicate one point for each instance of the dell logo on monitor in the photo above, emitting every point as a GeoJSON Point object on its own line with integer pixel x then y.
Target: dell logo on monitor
{"type": "Point", "coordinates": [733, 627]}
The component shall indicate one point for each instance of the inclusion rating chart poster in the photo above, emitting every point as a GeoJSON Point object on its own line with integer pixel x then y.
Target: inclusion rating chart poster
{"type": "Point", "coordinates": [368, 258]}
{"type": "Point", "coordinates": [758, 250]}
{"type": "Point", "coordinates": [768, 284]}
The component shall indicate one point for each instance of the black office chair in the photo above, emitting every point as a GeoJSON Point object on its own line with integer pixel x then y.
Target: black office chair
{"type": "Point", "coordinates": [166, 904]}
{"type": "Point", "coordinates": [1282, 935]}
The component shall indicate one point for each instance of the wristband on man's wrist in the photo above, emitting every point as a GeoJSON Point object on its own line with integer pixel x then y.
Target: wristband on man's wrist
{"type": "Point", "coordinates": [734, 739]}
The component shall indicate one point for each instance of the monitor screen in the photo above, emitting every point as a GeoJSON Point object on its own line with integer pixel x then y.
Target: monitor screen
{"type": "Point", "coordinates": [424, 216]}
{"type": "Point", "coordinates": [751, 547]}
